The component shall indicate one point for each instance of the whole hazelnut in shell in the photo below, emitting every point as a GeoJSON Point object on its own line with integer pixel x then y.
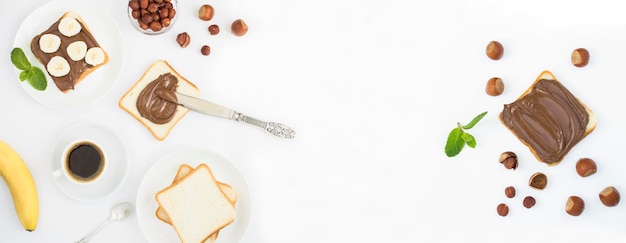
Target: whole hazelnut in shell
{"type": "Point", "coordinates": [609, 196]}
{"type": "Point", "coordinates": [574, 206]}
{"type": "Point", "coordinates": [586, 167]}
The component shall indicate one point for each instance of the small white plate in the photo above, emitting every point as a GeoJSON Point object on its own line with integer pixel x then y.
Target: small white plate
{"type": "Point", "coordinates": [116, 162]}
{"type": "Point", "coordinates": [96, 84]}
{"type": "Point", "coordinates": [161, 175]}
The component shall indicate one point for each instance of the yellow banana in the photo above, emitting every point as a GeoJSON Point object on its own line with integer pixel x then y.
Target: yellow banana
{"type": "Point", "coordinates": [21, 184]}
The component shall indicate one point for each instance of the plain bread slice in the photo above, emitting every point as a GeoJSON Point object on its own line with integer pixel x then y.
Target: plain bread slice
{"type": "Point", "coordinates": [196, 205]}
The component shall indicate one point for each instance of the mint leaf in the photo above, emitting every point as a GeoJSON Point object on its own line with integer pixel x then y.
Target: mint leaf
{"type": "Point", "coordinates": [458, 137]}
{"type": "Point", "coordinates": [34, 75]}
{"type": "Point", "coordinates": [469, 140]}
{"type": "Point", "coordinates": [475, 120]}
{"type": "Point", "coordinates": [24, 75]}
{"type": "Point", "coordinates": [37, 79]}
{"type": "Point", "coordinates": [455, 143]}
{"type": "Point", "coordinates": [19, 60]}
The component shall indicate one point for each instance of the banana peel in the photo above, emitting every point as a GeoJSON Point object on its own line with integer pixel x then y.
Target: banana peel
{"type": "Point", "coordinates": [21, 185]}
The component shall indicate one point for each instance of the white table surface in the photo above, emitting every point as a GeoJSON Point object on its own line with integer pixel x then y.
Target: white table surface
{"type": "Point", "coordinates": [372, 89]}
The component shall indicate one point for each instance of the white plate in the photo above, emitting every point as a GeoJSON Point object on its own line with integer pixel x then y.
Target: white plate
{"type": "Point", "coordinates": [116, 162]}
{"type": "Point", "coordinates": [161, 175]}
{"type": "Point", "coordinates": [96, 84]}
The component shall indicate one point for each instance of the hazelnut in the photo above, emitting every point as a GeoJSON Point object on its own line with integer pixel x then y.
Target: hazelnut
{"type": "Point", "coordinates": [509, 160]}
{"type": "Point", "coordinates": [143, 4]}
{"type": "Point", "coordinates": [183, 39]}
{"type": "Point", "coordinates": [134, 4]}
{"type": "Point", "coordinates": [135, 14]}
{"type": "Point", "coordinates": [586, 167]}
{"type": "Point", "coordinates": [609, 196]}
{"type": "Point", "coordinates": [580, 57]}
{"type": "Point", "coordinates": [495, 86]}
{"type": "Point", "coordinates": [143, 25]}
{"type": "Point", "coordinates": [509, 192]}
{"type": "Point", "coordinates": [239, 27]}
{"type": "Point", "coordinates": [153, 7]}
{"type": "Point", "coordinates": [171, 12]}
{"type": "Point", "coordinates": [529, 202]}
{"type": "Point", "coordinates": [502, 209]}
{"type": "Point", "coordinates": [206, 50]}
{"type": "Point", "coordinates": [146, 18]}
{"type": "Point", "coordinates": [214, 29]}
{"type": "Point", "coordinates": [166, 22]}
{"type": "Point", "coordinates": [494, 50]}
{"type": "Point", "coordinates": [206, 12]}
{"type": "Point", "coordinates": [156, 26]}
{"type": "Point", "coordinates": [574, 206]}
{"type": "Point", "coordinates": [538, 181]}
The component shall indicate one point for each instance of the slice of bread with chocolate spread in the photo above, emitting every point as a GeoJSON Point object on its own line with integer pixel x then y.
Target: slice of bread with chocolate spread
{"type": "Point", "coordinates": [155, 113]}
{"type": "Point", "coordinates": [69, 51]}
{"type": "Point", "coordinates": [548, 119]}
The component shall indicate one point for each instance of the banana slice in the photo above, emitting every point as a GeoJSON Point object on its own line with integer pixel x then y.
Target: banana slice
{"type": "Point", "coordinates": [69, 26]}
{"type": "Point", "coordinates": [49, 43]}
{"type": "Point", "coordinates": [58, 66]}
{"type": "Point", "coordinates": [77, 50]}
{"type": "Point", "coordinates": [94, 56]}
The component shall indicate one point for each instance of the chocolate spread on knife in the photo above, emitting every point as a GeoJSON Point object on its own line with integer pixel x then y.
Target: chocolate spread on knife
{"type": "Point", "coordinates": [77, 68]}
{"type": "Point", "coordinates": [549, 119]}
{"type": "Point", "coordinates": [154, 108]}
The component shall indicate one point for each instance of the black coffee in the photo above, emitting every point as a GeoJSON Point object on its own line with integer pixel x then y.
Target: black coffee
{"type": "Point", "coordinates": [85, 161]}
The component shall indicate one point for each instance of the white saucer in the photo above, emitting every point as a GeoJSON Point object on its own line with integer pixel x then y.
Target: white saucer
{"type": "Point", "coordinates": [116, 162]}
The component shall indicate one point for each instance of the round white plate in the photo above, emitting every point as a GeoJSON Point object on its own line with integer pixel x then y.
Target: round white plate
{"type": "Point", "coordinates": [116, 162]}
{"type": "Point", "coordinates": [161, 175]}
{"type": "Point", "coordinates": [96, 84]}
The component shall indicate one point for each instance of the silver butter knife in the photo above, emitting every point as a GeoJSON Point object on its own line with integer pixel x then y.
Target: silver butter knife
{"type": "Point", "coordinates": [210, 108]}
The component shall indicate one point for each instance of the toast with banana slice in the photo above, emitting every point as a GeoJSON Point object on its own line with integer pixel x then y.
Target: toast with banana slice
{"type": "Point", "coordinates": [69, 51]}
{"type": "Point", "coordinates": [548, 119]}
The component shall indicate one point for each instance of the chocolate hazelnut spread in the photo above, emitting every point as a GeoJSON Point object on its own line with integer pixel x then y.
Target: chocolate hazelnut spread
{"type": "Point", "coordinates": [77, 68]}
{"type": "Point", "coordinates": [549, 119]}
{"type": "Point", "coordinates": [154, 108]}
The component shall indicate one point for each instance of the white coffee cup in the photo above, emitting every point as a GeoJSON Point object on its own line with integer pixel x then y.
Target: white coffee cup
{"type": "Point", "coordinates": [82, 161]}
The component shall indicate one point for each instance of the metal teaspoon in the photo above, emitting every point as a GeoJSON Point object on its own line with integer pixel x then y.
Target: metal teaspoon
{"type": "Point", "coordinates": [118, 212]}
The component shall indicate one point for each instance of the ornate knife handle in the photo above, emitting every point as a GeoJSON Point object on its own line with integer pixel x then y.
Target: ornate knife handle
{"type": "Point", "coordinates": [274, 128]}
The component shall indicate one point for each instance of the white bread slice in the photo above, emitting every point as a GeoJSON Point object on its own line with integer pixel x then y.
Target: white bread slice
{"type": "Point", "coordinates": [196, 205]}
{"type": "Point", "coordinates": [184, 170]}
{"type": "Point", "coordinates": [591, 124]}
{"type": "Point", "coordinates": [128, 102]}
{"type": "Point", "coordinates": [85, 28]}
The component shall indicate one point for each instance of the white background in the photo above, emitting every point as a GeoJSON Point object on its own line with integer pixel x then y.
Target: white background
{"type": "Point", "coordinates": [372, 89]}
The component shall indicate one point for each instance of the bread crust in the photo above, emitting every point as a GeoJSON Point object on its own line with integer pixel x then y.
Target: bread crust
{"type": "Point", "coordinates": [128, 102]}
{"type": "Point", "coordinates": [591, 124]}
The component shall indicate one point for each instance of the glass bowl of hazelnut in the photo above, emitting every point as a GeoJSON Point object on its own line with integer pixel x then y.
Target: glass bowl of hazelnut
{"type": "Point", "coordinates": [152, 17]}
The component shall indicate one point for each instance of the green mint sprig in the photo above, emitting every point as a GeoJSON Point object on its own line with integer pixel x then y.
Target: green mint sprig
{"type": "Point", "coordinates": [33, 74]}
{"type": "Point", "coordinates": [458, 137]}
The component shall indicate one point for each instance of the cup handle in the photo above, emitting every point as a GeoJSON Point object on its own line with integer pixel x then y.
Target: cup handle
{"type": "Point", "coordinates": [57, 173]}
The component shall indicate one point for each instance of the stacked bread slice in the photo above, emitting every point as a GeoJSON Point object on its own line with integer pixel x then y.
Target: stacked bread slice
{"type": "Point", "coordinates": [196, 204]}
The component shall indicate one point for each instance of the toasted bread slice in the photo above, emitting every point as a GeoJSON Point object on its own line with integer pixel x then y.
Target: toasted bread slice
{"type": "Point", "coordinates": [128, 102]}
{"type": "Point", "coordinates": [550, 131]}
{"type": "Point", "coordinates": [79, 69]}
{"type": "Point", "coordinates": [196, 205]}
